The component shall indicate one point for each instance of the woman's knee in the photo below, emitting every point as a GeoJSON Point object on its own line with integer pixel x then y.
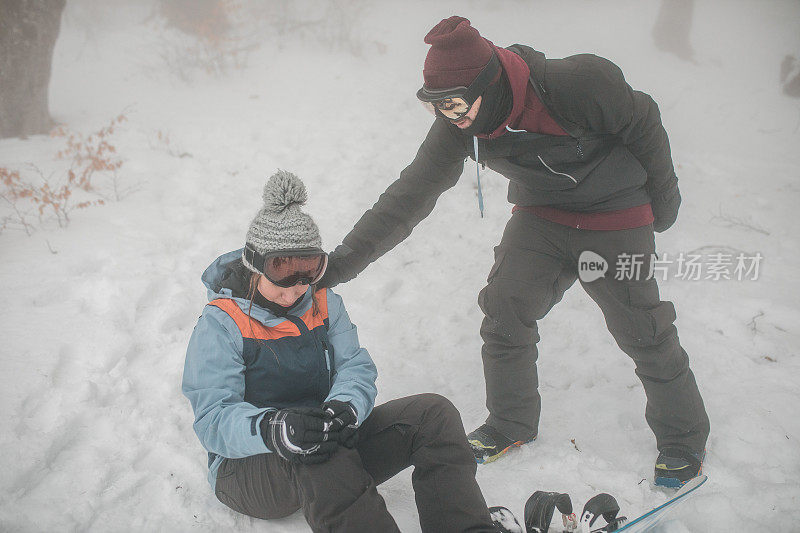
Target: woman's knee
{"type": "Point", "coordinates": [426, 413]}
{"type": "Point", "coordinates": [439, 404]}
{"type": "Point", "coordinates": [439, 412]}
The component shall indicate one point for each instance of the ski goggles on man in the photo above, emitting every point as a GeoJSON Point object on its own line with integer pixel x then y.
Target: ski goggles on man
{"type": "Point", "coordinates": [454, 103]}
{"type": "Point", "coordinates": [288, 268]}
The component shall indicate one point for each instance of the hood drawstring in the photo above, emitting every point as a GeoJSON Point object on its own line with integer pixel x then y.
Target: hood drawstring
{"type": "Point", "coordinates": [478, 173]}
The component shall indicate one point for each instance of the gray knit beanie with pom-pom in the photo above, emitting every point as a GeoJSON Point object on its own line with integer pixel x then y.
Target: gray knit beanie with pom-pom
{"type": "Point", "coordinates": [280, 225]}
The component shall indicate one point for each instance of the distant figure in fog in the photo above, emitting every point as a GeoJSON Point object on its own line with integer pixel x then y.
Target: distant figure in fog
{"type": "Point", "coordinates": [790, 76]}
{"type": "Point", "coordinates": [672, 28]}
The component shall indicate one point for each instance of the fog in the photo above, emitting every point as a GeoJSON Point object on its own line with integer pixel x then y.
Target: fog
{"type": "Point", "coordinates": [203, 100]}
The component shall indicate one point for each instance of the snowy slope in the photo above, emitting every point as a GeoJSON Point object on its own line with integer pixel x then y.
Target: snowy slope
{"type": "Point", "coordinates": [96, 435]}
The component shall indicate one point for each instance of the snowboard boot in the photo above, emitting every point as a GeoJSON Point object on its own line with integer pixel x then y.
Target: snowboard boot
{"type": "Point", "coordinates": [676, 466]}
{"type": "Point", "coordinates": [488, 444]}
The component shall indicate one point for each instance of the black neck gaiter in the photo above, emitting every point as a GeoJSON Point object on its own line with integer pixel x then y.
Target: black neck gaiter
{"type": "Point", "coordinates": [276, 309]}
{"type": "Point", "coordinates": [496, 103]}
{"type": "Point", "coordinates": [237, 279]}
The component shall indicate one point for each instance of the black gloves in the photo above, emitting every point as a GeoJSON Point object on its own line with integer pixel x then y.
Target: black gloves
{"type": "Point", "coordinates": [310, 435]}
{"type": "Point", "coordinates": [298, 434]}
{"type": "Point", "coordinates": [345, 422]}
{"type": "Point", "coordinates": [665, 208]}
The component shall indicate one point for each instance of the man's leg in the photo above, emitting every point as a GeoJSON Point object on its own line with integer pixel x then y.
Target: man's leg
{"type": "Point", "coordinates": [643, 327]}
{"type": "Point", "coordinates": [529, 276]}
{"type": "Point", "coordinates": [426, 431]}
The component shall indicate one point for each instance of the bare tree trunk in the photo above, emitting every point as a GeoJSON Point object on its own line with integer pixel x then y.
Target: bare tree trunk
{"type": "Point", "coordinates": [28, 33]}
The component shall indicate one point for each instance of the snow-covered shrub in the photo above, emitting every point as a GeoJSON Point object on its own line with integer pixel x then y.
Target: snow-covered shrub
{"type": "Point", "coordinates": [30, 194]}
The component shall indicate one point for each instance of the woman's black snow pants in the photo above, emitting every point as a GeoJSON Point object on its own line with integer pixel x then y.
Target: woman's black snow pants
{"type": "Point", "coordinates": [424, 431]}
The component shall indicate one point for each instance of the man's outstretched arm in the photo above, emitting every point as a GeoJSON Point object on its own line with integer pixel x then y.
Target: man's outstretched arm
{"type": "Point", "coordinates": [406, 202]}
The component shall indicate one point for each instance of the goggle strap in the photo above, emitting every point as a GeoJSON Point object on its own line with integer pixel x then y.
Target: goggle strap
{"type": "Point", "coordinates": [254, 258]}
{"type": "Point", "coordinates": [471, 93]}
{"type": "Point", "coordinates": [480, 83]}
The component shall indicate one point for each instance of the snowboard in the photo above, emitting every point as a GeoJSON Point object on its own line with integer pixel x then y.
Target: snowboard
{"type": "Point", "coordinates": [541, 505]}
{"type": "Point", "coordinates": [654, 517]}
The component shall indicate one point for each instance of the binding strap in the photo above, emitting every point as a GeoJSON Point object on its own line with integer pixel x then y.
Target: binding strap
{"type": "Point", "coordinates": [604, 505]}
{"type": "Point", "coordinates": [540, 507]}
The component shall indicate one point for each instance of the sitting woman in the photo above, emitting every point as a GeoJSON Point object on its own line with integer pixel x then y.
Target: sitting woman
{"type": "Point", "coordinates": [283, 394]}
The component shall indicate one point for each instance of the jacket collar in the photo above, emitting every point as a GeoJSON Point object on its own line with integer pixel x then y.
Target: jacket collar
{"type": "Point", "coordinates": [215, 273]}
{"type": "Point", "coordinates": [518, 74]}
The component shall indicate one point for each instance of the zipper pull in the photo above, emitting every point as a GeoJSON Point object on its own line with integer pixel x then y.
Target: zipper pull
{"type": "Point", "coordinates": [328, 361]}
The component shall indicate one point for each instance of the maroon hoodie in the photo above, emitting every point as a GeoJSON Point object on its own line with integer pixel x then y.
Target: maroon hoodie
{"type": "Point", "coordinates": [527, 111]}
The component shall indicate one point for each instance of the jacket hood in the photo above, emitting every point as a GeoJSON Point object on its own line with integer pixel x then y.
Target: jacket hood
{"type": "Point", "coordinates": [531, 57]}
{"type": "Point", "coordinates": [518, 74]}
{"type": "Point", "coordinates": [214, 276]}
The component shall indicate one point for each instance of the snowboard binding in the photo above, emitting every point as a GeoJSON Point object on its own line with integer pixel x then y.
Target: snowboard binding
{"type": "Point", "coordinates": [604, 505]}
{"type": "Point", "coordinates": [539, 511]}
{"type": "Point", "coordinates": [541, 505]}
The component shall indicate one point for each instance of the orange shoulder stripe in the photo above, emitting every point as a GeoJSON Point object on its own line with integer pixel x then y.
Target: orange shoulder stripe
{"type": "Point", "coordinates": [311, 320]}
{"type": "Point", "coordinates": [253, 329]}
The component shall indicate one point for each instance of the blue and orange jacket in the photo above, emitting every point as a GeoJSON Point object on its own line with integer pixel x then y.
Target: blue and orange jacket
{"type": "Point", "coordinates": [239, 367]}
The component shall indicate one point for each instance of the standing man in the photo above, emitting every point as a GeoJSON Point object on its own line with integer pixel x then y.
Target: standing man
{"type": "Point", "coordinates": [590, 169]}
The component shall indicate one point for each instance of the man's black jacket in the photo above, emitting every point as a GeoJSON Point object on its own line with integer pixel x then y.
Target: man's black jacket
{"type": "Point", "coordinates": [616, 156]}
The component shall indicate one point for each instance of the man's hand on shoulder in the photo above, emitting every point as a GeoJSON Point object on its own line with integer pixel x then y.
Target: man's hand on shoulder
{"type": "Point", "coordinates": [341, 267]}
{"type": "Point", "coordinates": [331, 277]}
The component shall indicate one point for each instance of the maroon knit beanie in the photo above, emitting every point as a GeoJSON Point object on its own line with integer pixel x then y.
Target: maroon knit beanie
{"type": "Point", "coordinates": [457, 54]}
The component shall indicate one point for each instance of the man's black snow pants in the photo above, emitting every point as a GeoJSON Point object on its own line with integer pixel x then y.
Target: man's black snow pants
{"type": "Point", "coordinates": [535, 263]}
{"type": "Point", "coordinates": [340, 495]}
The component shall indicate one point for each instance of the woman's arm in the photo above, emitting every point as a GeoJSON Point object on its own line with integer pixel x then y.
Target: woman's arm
{"type": "Point", "coordinates": [355, 373]}
{"type": "Point", "coordinates": [213, 381]}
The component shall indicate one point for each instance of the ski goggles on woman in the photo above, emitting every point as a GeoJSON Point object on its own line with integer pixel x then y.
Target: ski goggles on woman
{"type": "Point", "coordinates": [288, 268]}
{"type": "Point", "coordinates": [455, 102]}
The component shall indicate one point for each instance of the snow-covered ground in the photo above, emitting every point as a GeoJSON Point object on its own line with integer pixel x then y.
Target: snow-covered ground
{"type": "Point", "coordinates": [95, 433]}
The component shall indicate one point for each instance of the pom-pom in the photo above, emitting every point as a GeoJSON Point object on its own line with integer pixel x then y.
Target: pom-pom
{"type": "Point", "coordinates": [283, 190]}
